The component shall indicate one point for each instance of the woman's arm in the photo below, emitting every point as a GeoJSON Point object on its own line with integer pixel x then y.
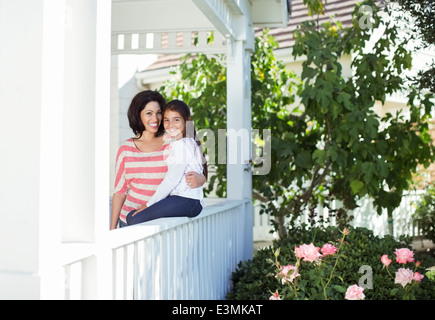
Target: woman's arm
{"type": "Point", "coordinates": [117, 202]}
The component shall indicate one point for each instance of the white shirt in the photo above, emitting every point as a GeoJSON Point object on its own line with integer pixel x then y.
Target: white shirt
{"type": "Point", "coordinates": [184, 156]}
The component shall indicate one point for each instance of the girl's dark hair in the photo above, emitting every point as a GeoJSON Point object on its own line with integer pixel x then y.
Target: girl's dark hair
{"type": "Point", "coordinates": [138, 104]}
{"type": "Point", "coordinates": [182, 108]}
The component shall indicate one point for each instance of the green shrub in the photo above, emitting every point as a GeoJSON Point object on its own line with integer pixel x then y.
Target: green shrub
{"type": "Point", "coordinates": [255, 279]}
{"type": "Point", "coordinates": [424, 215]}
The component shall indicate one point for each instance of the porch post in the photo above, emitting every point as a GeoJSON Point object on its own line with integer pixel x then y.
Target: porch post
{"type": "Point", "coordinates": [239, 173]}
{"type": "Point", "coordinates": [239, 176]}
{"type": "Point", "coordinates": [54, 139]}
{"type": "Point", "coordinates": [31, 96]}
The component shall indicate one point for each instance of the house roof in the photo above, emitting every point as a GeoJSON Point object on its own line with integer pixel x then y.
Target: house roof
{"type": "Point", "coordinates": [340, 9]}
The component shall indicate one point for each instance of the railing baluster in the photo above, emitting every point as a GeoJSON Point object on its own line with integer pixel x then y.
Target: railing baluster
{"type": "Point", "coordinates": [135, 271]}
{"type": "Point", "coordinates": [196, 252]}
{"type": "Point", "coordinates": [184, 263]}
{"type": "Point", "coordinates": [144, 269]}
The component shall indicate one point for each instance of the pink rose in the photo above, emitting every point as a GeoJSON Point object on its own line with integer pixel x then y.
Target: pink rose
{"type": "Point", "coordinates": [287, 273]}
{"type": "Point", "coordinates": [308, 252]}
{"type": "Point", "coordinates": [404, 255]}
{"type": "Point", "coordinates": [354, 292]}
{"type": "Point", "coordinates": [275, 296]}
{"type": "Point", "coordinates": [418, 276]}
{"type": "Point", "coordinates": [385, 260]}
{"type": "Point", "coordinates": [404, 276]}
{"type": "Point", "coordinates": [328, 249]}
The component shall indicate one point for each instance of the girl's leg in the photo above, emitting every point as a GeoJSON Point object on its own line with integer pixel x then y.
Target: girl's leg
{"type": "Point", "coordinates": [173, 206]}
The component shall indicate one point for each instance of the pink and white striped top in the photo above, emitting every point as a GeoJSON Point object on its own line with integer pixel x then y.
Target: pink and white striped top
{"type": "Point", "coordinates": [138, 174]}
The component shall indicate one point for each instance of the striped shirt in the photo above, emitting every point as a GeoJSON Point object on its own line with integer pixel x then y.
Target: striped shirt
{"type": "Point", "coordinates": [138, 174]}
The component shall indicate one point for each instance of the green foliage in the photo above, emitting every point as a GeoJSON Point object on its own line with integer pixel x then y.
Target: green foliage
{"type": "Point", "coordinates": [355, 152]}
{"type": "Point", "coordinates": [255, 279]}
{"type": "Point", "coordinates": [419, 18]}
{"type": "Point", "coordinates": [424, 215]}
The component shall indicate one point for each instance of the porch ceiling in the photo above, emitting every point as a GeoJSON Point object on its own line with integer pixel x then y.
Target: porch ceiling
{"type": "Point", "coordinates": [175, 26]}
{"type": "Point", "coordinates": [157, 15]}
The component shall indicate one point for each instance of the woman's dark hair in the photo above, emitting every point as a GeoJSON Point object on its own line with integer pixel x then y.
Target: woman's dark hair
{"type": "Point", "coordinates": [182, 108]}
{"type": "Point", "coordinates": [138, 104]}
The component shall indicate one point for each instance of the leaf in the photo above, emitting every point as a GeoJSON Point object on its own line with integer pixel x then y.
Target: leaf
{"type": "Point", "coordinates": [356, 186]}
{"type": "Point", "coordinates": [344, 98]}
{"type": "Point", "coordinates": [319, 156]}
{"type": "Point", "coordinates": [308, 73]}
{"type": "Point", "coordinates": [339, 288]}
{"type": "Point", "coordinates": [303, 159]}
{"type": "Point", "coordinates": [394, 291]}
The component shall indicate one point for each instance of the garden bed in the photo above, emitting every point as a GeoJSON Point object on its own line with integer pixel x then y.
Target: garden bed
{"type": "Point", "coordinates": [359, 264]}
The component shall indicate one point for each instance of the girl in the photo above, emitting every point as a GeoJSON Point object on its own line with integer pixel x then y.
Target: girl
{"type": "Point", "coordinates": [185, 155]}
{"type": "Point", "coordinates": [140, 162]}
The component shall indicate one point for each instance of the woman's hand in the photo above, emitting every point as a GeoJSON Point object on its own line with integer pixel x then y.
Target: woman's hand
{"type": "Point", "coordinates": [194, 180]}
{"type": "Point", "coordinates": [141, 208]}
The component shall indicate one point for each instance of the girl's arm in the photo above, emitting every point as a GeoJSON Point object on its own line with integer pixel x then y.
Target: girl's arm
{"type": "Point", "coordinates": [195, 180]}
{"type": "Point", "coordinates": [177, 164]}
{"type": "Point", "coordinates": [117, 202]}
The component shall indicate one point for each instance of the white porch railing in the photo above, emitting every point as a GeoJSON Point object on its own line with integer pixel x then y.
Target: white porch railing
{"type": "Point", "coordinates": [364, 216]}
{"type": "Point", "coordinates": [175, 258]}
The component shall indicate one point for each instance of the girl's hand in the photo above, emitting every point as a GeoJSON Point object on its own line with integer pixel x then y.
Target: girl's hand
{"type": "Point", "coordinates": [194, 180]}
{"type": "Point", "coordinates": [141, 208]}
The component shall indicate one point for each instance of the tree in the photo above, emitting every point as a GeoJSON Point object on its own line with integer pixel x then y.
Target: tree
{"type": "Point", "coordinates": [357, 153]}
{"type": "Point", "coordinates": [419, 18]}
{"type": "Point", "coordinates": [330, 145]}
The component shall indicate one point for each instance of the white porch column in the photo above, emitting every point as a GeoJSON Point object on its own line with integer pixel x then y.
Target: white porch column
{"type": "Point", "coordinates": [19, 163]}
{"type": "Point", "coordinates": [31, 64]}
{"type": "Point", "coordinates": [54, 138]}
{"type": "Point", "coordinates": [239, 173]}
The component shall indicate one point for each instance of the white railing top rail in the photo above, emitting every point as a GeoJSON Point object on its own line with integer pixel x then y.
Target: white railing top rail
{"type": "Point", "coordinates": [137, 232]}
{"type": "Point", "coordinates": [73, 252]}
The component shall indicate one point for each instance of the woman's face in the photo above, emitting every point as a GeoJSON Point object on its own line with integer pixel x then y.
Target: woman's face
{"type": "Point", "coordinates": [174, 124]}
{"type": "Point", "coordinates": [151, 116]}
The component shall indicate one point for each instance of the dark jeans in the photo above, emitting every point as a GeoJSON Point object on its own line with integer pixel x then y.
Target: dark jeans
{"type": "Point", "coordinates": [172, 206]}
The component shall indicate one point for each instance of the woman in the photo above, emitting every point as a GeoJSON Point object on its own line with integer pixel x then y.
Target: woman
{"type": "Point", "coordinates": [173, 197]}
{"type": "Point", "coordinates": [140, 165]}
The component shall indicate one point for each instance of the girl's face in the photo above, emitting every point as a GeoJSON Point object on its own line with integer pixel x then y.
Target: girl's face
{"type": "Point", "coordinates": [151, 116]}
{"type": "Point", "coordinates": [174, 124]}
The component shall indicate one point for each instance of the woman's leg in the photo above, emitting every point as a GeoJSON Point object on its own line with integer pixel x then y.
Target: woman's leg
{"type": "Point", "coordinates": [172, 206]}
